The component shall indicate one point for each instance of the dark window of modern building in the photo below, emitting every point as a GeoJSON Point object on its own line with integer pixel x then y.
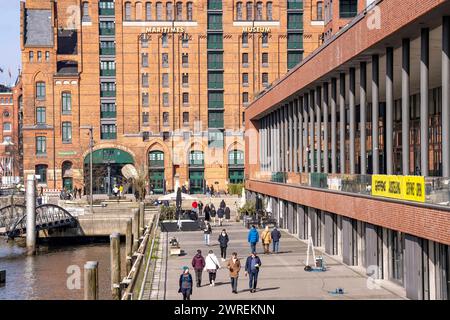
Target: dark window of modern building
{"type": "Point", "coordinates": [145, 118]}
{"type": "Point", "coordinates": [244, 97]}
{"type": "Point", "coordinates": [165, 60]}
{"type": "Point", "coordinates": [189, 11]}
{"type": "Point", "coordinates": [40, 115]}
{"type": "Point", "coordinates": [265, 79]}
{"type": "Point", "coordinates": [31, 56]}
{"type": "Point", "coordinates": [41, 171]}
{"type": "Point", "coordinates": [165, 118]}
{"type": "Point", "coordinates": [245, 59]}
{"type": "Point", "coordinates": [185, 41]}
{"type": "Point", "coordinates": [245, 79]}
{"type": "Point", "coordinates": [144, 60]}
{"type": "Point", "coordinates": [249, 15]}
{"type": "Point", "coordinates": [295, 21]}
{"type": "Point", "coordinates": [66, 99]}
{"type": "Point", "coordinates": [185, 118]}
{"type": "Point", "coordinates": [47, 56]}
{"type": "Point", "coordinates": [185, 80]}
{"type": "Point", "coordinates": [214, 4]}
{"type": "Point", "coordinates": [164, 40]}
{"type": "Point", "coordinates": [148, 11]}
{"type": "Point", "coordinates": [145, 80]}
{"type": "Point", "coordinates": [265, 39]}
{"type": "Point", "coordinates": [41, 145]}
{"type": "Point", "coordinates": [215, 21]}
{"type": "Point", "coordinates": [215, 41]}
{"type": "Point", "coordinates": [40, 90]}
{"type": "Point", "coordinates": [259, 11]}
{"type": "Point", "coordinates": [319, 15]}
{"type": "Point", "coordinates": [215, 100]}
{"type": "Point", "coordinates": [348, 8]}
{"type": "Point", "coordinates": [185, 60]}
{"type": "Point", "coordinates": [185, 98]}
{"type": "Point", "coordinates": [67, 132]}
{"type": "Point", "coordinates": [159, 11]}
{"type": "Point", "coordinates": [145, 101]}
{"type": "Point", "coordinates": [39, 56]}
{"type": "Point", "coordinates": [269, 10]}
{"type": "Point", "coordinates": [127, 11]}
{"type": "Point", "coordinates": [239, 11]}
{"type": "Point", "coordinates": [265, 59]}
{"type": "Point", "coordinates": [165, 80]}
{"type": "Point", "coordinates": [245, 39]}
{"type": "Point", "coordinates": [215, 80]}
{"type": "Point", "coordinates": [179, 9]}
{"type": "Point", "coordinates": [165, 96]}
{"type": "Point", "coordinates": [169, 11]}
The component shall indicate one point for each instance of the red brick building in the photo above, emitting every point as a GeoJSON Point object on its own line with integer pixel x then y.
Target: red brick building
{"type": "Point", "coordinates": [367, 110]}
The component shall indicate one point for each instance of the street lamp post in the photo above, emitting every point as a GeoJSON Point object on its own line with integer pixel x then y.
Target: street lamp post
{"type": "Point", "coordinates": [91, 146]}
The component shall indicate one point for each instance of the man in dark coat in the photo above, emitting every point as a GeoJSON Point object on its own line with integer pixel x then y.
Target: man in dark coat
{"type": "Point", "coordinates": [252, 266]}
{"type": "Point", "coordinates": [223, 242]}
{"type": "Point", "coordinates": [222, 204]}
{"type": "Point", "coordinates": [220, 214]}
{"type": "Point", "coordinates": [207, 212]}
{"type": "Point", "coordinates": [227, 214]}
{"type": "Point", "coordinates": [276, 235]}
{"type": "Point", "coordinates": [198, 263]}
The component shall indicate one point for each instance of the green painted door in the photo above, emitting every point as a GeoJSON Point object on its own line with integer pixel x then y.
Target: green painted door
{"type": "Point", "coordinates": [196, 181]}
{"type": "Point", "coordinates": [157, 181]}
{"type": "Point", "coordinates": [68, 184]}
{"type": "Point", "coordinates": [236, 175]}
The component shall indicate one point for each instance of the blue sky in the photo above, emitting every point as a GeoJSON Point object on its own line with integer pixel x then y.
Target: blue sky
{"type": "Point", "coordinates": [9, 39]}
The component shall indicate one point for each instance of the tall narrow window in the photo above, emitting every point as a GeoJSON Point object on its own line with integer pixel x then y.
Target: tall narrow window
{"type": "Point", "coordinates": [185, 59]}
{"type": "Point", "coordinates": [165, 80]}
{"type": "Point", "coordinates": [319, 10]}
{"type": "Point", "coordinates": [41, 145]}
{"type": "Point", "coordinates": [145, 102]}
{"type": "Point", "coordinates": [265, 59]}
{"type": "Point", "coordinates": [40, 90]}
{"type": "Point", "coordinates": [145, 80]}
{"type": "Point", "coordinates": [165, 118]}
{"type": "Point", "coordinates": [165, 96]}
{"type": "Point", "coordinates": [185, 98]}
{"type": "Point", "coordinates": [244, 97]}
{"type": "Point", "coordinates": [86, 17]}
{"type": "Point", "coordinates": [39, 56]}
{"type": "Point", "coordinates": [185, 79]}
{"type": "Point", "coordinates": [145, 60]}
{"type": "Point", "coordinates": [169, 11]}
{"type": "Point", "coordinates": [179, 9]}
{"type": "Point", "coordinates": [185, 41]}
{"type": "Point", "coordinates": [164, 40]}
{"type": "Point", "coordinates": [245, 79]}
{"type": "Point", "coordinates": [31, 56]}
{"type": "Point", "coordinates": [165, 60]}
{"type": "Point", "coordinates": [269, 11]}
{"type": "Point", "coordinates": [245, 39]}
{"type": "Point", "coordinates": [144, 42]}
{"type": "Point", "coordinates": [259, 10]}
{"type": "Point", "coordinates": [159, 7]}
{"type": "Point", "coordinates": [66, 100]}
{"type": "Point", "coordinates": [138, 13]}
{"type": "Point", "coordinates": [40, 115]}
{"type": "Point", "coordinates": [265, 39]}
{"type": "Point", "coordinates": [145, 118]}
{"type": "Point", "coordinates": [239, 11]}
{"type": "Point", "coordinates": [245, 59]}
{"type": "Point", "coordinates": [249, 10]}
{"type": "Point", "coordinates": [185, 118]}
{"type": "Point", "coordinates": [148, 11]}
{"type": "Point", "coordinates": [189, 12]}
{"type": "Point", "coordinates": [66, 132]}
{"type": "Point", "coordinates": [47, 56]}
{"type": "Point", "coordinates": [265, 79]}
{"type": "Point", "coordinates": [127, 11]}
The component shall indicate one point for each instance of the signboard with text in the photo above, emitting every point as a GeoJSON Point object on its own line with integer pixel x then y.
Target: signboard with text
{"type": "Point", "coordinates": [410, 188]}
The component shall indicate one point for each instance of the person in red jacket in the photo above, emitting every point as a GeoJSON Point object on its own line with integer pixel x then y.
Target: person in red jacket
{"type": "Point", "coordinates": [198, 263]}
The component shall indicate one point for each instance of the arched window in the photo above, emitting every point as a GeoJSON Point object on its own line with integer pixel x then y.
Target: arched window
{"type": "Point", "coordinates": [249, 10]}
{"type": "Point", "coordinates": [179, 9]}
{"type": "Point", "coordinates": [159, 7]}
{"type": "Point", "coordinates": [169, 11]}
{"type": "Point", "coordinates": [239, 11]}
{"type": "Point", "coordinates": [189, 12]}
{"type": "Point", "coordinates": [138, 11]}
{"type": "Point", "coordinates": [127, 11]}
{"type": "Point", "coordinates": [259, 10]}
{"type": "Point", "coordinates": [148, 11]}
{"type": "Point", "coordinates": [41, 171]}
{"type": "Point", "coordinates": [269, 11]}
{"type": "Point", "coordinates": [40, 90]}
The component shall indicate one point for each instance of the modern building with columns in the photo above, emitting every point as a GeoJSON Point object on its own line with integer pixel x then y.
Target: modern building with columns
{"type": "Point", "coordinates": [351, 147]}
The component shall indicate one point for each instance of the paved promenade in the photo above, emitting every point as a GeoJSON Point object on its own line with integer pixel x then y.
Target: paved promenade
{"type": "Point", "coordinates": [281, 276]}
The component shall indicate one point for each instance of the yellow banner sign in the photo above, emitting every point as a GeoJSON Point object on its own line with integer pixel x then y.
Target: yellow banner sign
{"type": "Point", "coordinates": [411, 188]}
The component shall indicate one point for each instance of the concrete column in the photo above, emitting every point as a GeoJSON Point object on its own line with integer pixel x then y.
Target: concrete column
{"type": "Point", "coordinates": [115, 265]}
{"type": "Point", "coordinates": [311, 131]}
{"type": "Point", "coordinates": [91, 280]}
{"type": "Point", "coordinates": [325, 126]}
{"type": "Point", "coordinates": [339, 236]}
{"type": "Point", "coordinates": [362, 114]}
{"type": "Point", "coordinates": [389, 109]}
{"type": "Point", "coordinates": [261, 144]}
{"type": "Point", "coordinates": [31, 214]}
{"type": "Point", "coordinates": [279, 141]}
{"type": "Point", "coordinates": [281, 144]}
{"type": "Point", "coordinates": [286, 138]}
{"type": "Point", "coordinates": [295, 134]}
{"type": "Point", "coordinates": [333, 125]}
{"type": "Point", "coordinates": [272, 142]}
{"type": "Point", "coordinates": [405, 105]}
{"type": "Point", "coordinates": [359, 242]}
{"type": "Point", "coordinates": [351, 101]}
{"type": "Point", "coordinates": [306, 130]}
{"type": "Point", "coordinates": [375, 116]}
{"type": "Point", "coordinates": [141, 218]}
{"type": "Point", "coordinates": [342, 122]}
{"type": "Point", "coordinates": [291, 137]}
{"type": "Point", "coordinates": [446, 96]}
{"type": "Point", "coordinates": [300, 133]}
{"type": "Point", "coordinates": [129, 245]}
{"type": "Point", "coordinates": [424, 87]}
{"type": "Point", "coordinates": [432, 270]}
{"type": "Point", "coordinates": [385, 253]}
{"type": "Point", "coordinates": [275, 141]}
{"type": "Point", "coordinates": [318, 128]}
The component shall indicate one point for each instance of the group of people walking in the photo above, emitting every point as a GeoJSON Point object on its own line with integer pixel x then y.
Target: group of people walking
{"type": "Point", "coordinates": [222, 213]}
{"type": "Point", "coordinates": [267, 237]}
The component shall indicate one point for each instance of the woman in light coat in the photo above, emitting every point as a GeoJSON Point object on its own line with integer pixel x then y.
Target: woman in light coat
{"type": "Point", "coordinates": [212, 265]}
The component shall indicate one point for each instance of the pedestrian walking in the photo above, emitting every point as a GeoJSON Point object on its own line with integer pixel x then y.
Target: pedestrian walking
{"type": "Point", "coordinates": [207, 232]}
{"type": "Point", "coordinates": [207, 213]}
{"type": "Point", "coordinates": [276, 235]}
{"type": "Point", "coordinates": [220, 215]}
{"type": "Point", "coordinates": [198, 263]}
{"type": "Point", "coordinates": [234, 266]}
{"type": "Point", "coordinates": [212, 265]}
{"type": "Point", "coordinates": [266, 239]}
{"type": "Point", "coordinates": [227, 214]}
{"type": "Point", "coordinates": [185, 284]}
{"type": "Point", "coordinates": [121, 190]}
{"type": "Point", "coordinates": [222, 204]}
{"type": "Point", "coordinates": [212, 190]}
{"type": "Point", "coordinates": [252, 266]}
{"type": "Point", "coordinates": [200, 208]}
{"type": "Point", "coordinates": [223, 242]}
{"type": "Point", "coordinates": [213, 213]}
{"type": "Point", "coordinates": [253, 238]}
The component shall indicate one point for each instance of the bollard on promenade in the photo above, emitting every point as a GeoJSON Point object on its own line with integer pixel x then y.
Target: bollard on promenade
{"type": "Point", "coordinates": [91, 280]}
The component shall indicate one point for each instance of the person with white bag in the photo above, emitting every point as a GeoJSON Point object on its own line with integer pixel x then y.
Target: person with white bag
{"type": "Point", "coordinates": [212, 265]}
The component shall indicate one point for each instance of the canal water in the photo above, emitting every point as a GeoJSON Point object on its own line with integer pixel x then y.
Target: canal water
{"type": "Point", "coordinates": [55, 272]}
